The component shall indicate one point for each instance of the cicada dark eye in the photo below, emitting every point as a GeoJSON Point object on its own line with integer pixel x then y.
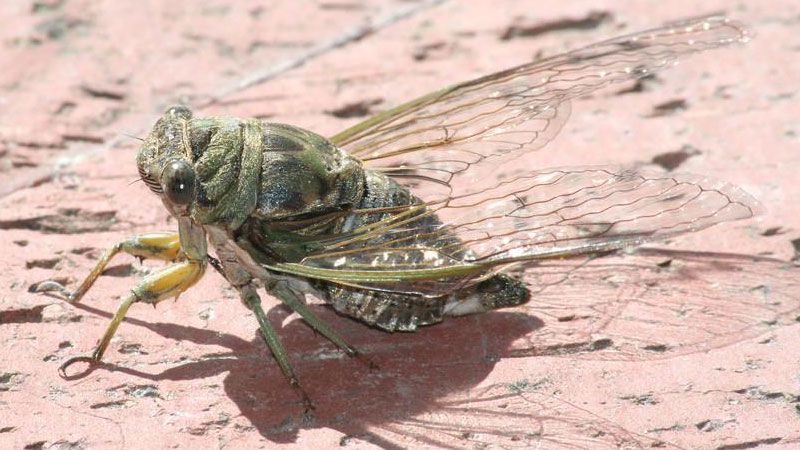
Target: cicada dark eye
{"type": "Point", "coordinates": [177, 181]}
{"type": "Point", "coordinates": [180, 111]}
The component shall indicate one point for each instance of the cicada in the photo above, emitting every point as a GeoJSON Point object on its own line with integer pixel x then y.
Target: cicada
{"type": "Point", "coordinates": [419, 212]}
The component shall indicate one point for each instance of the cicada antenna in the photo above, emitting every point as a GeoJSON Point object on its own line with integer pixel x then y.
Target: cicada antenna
{"type": "Point", "coordinates": [133, 137]}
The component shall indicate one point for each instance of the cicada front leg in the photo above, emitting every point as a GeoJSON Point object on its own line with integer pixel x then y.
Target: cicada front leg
{"type": "Point", "coordinates": [170, 281]}
{"type": "Point", "coordinates": [162, 246]}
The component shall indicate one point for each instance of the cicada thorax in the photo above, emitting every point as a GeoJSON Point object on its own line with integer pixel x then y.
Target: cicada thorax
{"type": "Point", "coordinates": [253, 172]}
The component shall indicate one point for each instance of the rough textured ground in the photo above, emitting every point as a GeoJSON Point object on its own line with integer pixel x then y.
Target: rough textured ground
{"type": "Point", "coordinates": [690, 345]}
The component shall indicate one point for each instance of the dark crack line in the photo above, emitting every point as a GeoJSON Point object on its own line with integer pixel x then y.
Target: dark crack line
{"type": "Point", "coordinates": [348, 37]}
{"type": "Point", "coordinates": [46, 172]}
{"type": "Point", "coordinates": [77, 155]}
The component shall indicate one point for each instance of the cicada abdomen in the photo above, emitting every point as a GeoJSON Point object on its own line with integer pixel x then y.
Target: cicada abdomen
{"type": "Point", "coordinates": [399, 311]}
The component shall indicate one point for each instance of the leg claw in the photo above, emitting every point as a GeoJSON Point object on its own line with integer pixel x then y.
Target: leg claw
{"type": "Point", "coordinates": [56, 287]}
{"type": "Point", "coordinates": [91, 360]}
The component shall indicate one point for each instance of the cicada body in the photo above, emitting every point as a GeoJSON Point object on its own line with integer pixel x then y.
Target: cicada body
{"type": "Point", "coordinates": [272, 193]}
{"type": "Point", "coordinates": [419, 212]}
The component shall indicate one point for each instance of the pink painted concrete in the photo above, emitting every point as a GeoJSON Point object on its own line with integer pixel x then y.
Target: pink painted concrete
{"type": "Point", "coordinates": [622, 353]}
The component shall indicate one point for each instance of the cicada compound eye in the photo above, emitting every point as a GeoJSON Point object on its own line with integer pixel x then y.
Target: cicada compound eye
{"type": "Point", "coordinates": [178, 182]}
{"type": "Point", "coordinates": [179, 111]}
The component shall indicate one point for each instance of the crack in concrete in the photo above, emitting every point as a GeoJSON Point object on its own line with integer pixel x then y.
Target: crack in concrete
{"type": "Point", "coordinates": [69, 158]}
{"type": "Point", "coordinates": [348, 37]}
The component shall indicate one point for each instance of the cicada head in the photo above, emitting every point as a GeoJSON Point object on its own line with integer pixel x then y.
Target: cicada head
{"type": "Point", "coordinates": [165, 161]}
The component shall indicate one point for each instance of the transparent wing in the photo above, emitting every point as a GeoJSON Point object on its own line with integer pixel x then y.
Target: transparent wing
{"type": "Point", "coordinates": [435, 248]}
{"type": "Point", "coordinates": [429, 144]}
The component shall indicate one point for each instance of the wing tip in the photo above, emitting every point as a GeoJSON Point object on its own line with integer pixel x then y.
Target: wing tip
{"type": "Point", "coordinates": [726, 29]}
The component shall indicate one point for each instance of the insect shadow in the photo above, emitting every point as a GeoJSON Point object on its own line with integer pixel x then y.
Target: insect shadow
{"type": "Point", "coordinates": [432, 385]}
{"type": "Point", "coordinates": [416, 371]}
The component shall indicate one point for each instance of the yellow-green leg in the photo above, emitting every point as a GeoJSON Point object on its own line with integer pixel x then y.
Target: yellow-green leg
{"type": "Point", "coordinates": [163, 246]}
{"type": "Point", "coordinates": [167, 282]}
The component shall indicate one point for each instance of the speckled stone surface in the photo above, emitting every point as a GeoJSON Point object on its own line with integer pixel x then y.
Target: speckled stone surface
{"type": "Point", "coordinates": [692, 343]}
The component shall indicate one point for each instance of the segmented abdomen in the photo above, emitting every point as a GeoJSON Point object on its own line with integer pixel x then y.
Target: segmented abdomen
{"type": "Point", "coordinates": [405, 312]}
{"type": "Point", "coordinates": [385, 310]}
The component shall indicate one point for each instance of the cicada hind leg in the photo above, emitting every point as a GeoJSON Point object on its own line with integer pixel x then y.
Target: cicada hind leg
{"type": "Point", "coordinates": [168, 282]}
{"type": "Point", "coordinates": [294, 301]}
